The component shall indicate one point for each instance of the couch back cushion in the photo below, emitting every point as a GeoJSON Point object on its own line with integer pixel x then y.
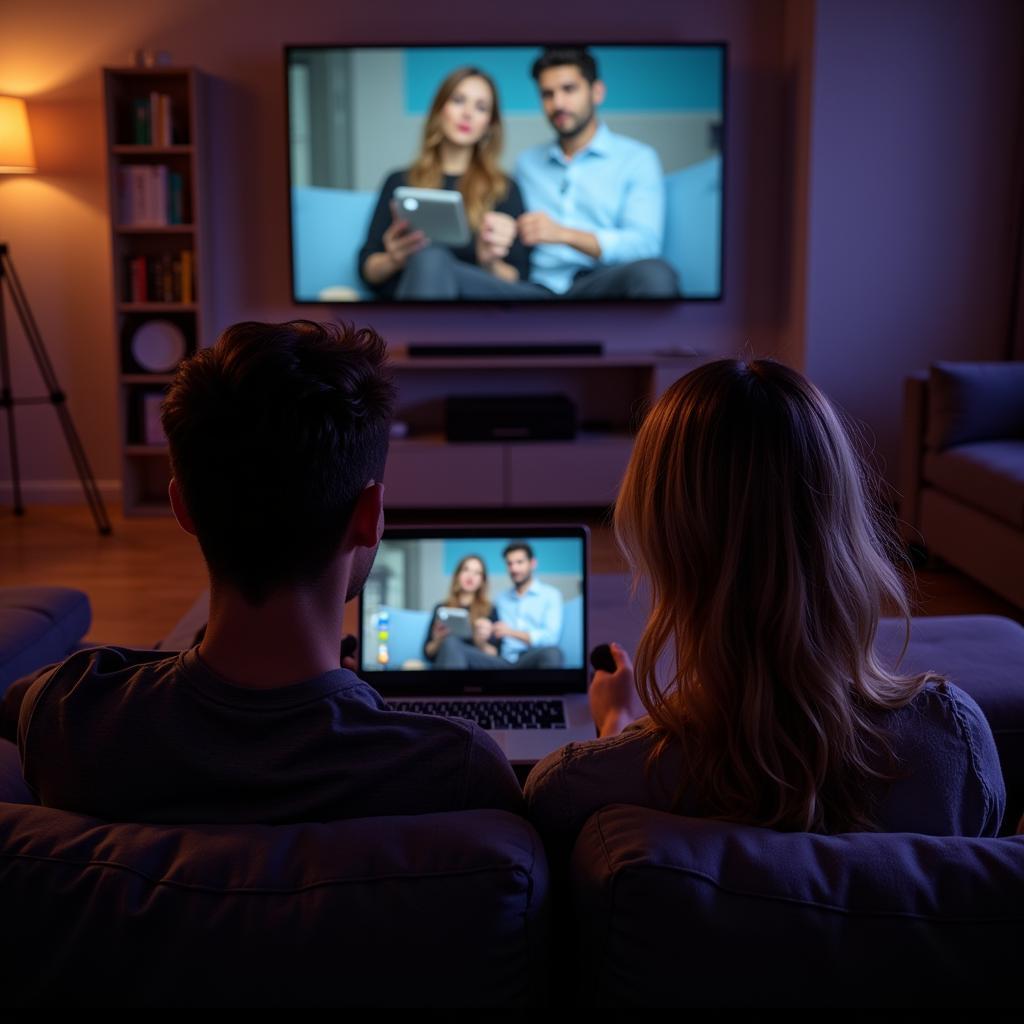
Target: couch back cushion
{"type": "Point", "coordinates": [684, 912]}
{"type": "Point", "coordinates": [434, 910]}
{"type": "Point", "coordinates": [974, 402]}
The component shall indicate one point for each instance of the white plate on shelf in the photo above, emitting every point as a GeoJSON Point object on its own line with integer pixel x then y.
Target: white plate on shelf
{"type": "Point", "coordinates": [158, 346]}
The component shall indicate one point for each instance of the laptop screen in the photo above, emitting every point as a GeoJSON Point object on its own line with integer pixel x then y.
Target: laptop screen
{"type": "Point", "coordinates": [481, 610]}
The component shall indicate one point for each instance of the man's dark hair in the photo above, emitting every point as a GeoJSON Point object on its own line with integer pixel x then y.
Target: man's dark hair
{"type": "Point", "coordinates": [518, 545]}
{"type": "Point", "coordinates": [274, 432]}
{"type": "Point", "coordinates": [559, 56]}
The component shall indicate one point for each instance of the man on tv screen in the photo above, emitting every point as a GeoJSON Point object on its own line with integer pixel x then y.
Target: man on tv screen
{"type": "Point", "coordinates": [595, 199]}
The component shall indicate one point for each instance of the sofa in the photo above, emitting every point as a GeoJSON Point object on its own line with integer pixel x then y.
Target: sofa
{"type": "Point", "coordinates": [329, 227]}
{"type": "Point", "coordinates": [674, 911]}
{"type": "Point", "coordinates": [446, 910]}
{"type": "Point", "coordinates": [39, 625]}
{"type": "Point", "coordinates": [454, 910]}
{"type": "Point", "coordinates": [963, 470]}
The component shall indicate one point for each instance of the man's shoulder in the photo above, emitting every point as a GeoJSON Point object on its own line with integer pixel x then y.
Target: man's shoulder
{"type": "Point", "coordinates": [625, 147]}
{"type": "Point", "coordinates": [90, 678]}
{"type": "Point", "coordinates": [534, 156]}
{"type": "Point", "coordinates": [547, 589]}
{"type": "Point", "coordinates": [107, 663]}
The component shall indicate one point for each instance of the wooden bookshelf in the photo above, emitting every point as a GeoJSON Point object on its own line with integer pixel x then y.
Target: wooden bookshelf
{"type": "Point", "coordinates": [154, 143]}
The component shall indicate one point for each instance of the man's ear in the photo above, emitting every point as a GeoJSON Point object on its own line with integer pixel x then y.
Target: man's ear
{"type": "Point", "coordinates": [179, 509]}
{"type": "Point", "coordinates": [598, 92]}
{"type": "Point", "coordinates": [367, 523]}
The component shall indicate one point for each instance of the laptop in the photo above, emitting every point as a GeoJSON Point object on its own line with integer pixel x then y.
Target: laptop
{"type": "Point", "coordinates": [487, 623]}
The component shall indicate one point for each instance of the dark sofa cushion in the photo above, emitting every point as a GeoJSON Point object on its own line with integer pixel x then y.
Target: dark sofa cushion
{"type": "Point", "coordinates": [39, 625]}
{"type": "Point", "coordinates": [434, 910]}
{"type": "Point", "coordinates": [685, 912]}
{"type": "Point", "coordinates": [974, 402]}
{"type": "Point", "coordinates": [986, 474]}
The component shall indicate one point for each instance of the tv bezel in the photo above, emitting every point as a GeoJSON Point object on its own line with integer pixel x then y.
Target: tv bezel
{"type": "Point", "coordinates": [379, 305]}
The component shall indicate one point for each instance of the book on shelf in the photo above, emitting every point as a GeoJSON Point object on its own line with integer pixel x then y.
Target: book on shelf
{"type": "Point", "coordinates": [160, 277]}
{"type": "Point", "coordinates": [150, 195]}
{"type": "Point", "coordinates": [152, 427]}
{"type": "Point", "coordinates": [140, 121]}
{"type": "Point", "coordinates": [153, 120]}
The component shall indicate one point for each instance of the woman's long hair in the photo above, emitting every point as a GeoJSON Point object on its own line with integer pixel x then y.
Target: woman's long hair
{"type": "Point", "coordinates": [745, 510]}
{"type": "Point", "coordinates": [484, 184]}
{"type": "Point", "coordinates": [480, 607]}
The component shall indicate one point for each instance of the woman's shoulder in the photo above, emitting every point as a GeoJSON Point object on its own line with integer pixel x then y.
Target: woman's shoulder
{"type": "Point", "coordinates": [395, 179]}
{"type": "Point", "coordinates": [951, 781]}
{"type": "Point", "coordinates": [944, 706]}
{"type": "Point", "coordinates": [569, 784]}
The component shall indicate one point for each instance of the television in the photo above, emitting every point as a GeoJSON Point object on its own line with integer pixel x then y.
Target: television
{"type": "Point", "coordinates": [547, 179]}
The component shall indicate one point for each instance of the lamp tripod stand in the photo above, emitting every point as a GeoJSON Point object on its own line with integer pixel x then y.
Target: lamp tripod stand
{"type": "Point", "coordinates": [56, 397]}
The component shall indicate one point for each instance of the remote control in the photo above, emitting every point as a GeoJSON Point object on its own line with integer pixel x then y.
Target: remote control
{"type": "Point", "coordinates": [601, 658]}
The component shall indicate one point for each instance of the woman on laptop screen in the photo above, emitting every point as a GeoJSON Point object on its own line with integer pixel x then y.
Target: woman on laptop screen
{"type": "Point", "coordinates": [462, 140]}
{"type": "Point", "coordinates": [757, 695]}
{"type": "Point", "coordinates": [461, 625]}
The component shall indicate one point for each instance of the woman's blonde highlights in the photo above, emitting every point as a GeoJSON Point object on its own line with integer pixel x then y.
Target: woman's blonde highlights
{"type": "Point", "coordinates": [744, 510]}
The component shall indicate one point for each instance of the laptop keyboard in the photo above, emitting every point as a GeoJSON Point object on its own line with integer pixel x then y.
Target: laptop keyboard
{"type": "Point", "coordinates": [492, 714]}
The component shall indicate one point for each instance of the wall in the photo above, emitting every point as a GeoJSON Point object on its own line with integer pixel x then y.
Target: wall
{"type": "Point", "coordinates": [870, 193]}
{"type": "Point", "coordinates": [913, 204]}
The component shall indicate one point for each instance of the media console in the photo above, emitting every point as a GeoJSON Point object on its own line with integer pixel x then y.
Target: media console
{"type": "Point", "coordinates": [611, 393]}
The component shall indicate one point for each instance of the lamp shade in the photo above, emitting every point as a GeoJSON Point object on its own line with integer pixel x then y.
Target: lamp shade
{"type": "Point", "coordinates": [16, 153]}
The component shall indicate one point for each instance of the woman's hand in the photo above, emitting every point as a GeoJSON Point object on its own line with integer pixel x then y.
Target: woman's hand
{"type": "Point", "coordinates": [438, 631]}
{"type": "Point", "coordinates": [495, 238]}
{"type": "Point", "coordinates": [482, 629]}
{"type": "Point", "coordinates": [613, 698]}
{"type": "Point", "coordinates": [401, 241]}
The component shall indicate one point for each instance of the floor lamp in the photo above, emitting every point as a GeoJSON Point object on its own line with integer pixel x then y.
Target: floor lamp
{"type": "Point", "coordinates": [17, 157]}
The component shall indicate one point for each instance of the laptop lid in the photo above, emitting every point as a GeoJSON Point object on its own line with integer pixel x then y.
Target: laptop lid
{"type": "Point", "coordinates": [476, 611]}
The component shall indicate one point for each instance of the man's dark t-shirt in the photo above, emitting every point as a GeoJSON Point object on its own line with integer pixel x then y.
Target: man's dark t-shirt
{"type": "Point", "coordinates": [143, 736]}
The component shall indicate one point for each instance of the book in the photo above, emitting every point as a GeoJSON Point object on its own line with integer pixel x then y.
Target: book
{"type": "Point", "coordinates": [175, 198]}
{"type": "Point", "coordinates": [186, 276]}
{"type": "Point", "coordinates": [166, 137]}
{"type": "Point", "coordinates": [141, 132]}
{"type": "Point", "coordinates": [140, 291]}
{"type": "Point", "coordinates": [159, 277]}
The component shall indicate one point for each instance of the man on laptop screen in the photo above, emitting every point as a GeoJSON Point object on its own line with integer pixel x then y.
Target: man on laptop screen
{"type": "Point", "coordinates": [530, 613]}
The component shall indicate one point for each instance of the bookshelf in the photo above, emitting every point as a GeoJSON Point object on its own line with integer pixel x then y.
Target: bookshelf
{"type": "Point", "coordinates": [154, 144]}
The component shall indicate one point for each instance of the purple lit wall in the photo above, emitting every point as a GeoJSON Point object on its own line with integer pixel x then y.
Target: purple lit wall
{"type": "Point", "coordinates": [914, 199]}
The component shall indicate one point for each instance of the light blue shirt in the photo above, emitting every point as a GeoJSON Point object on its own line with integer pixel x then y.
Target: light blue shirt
{"type": "Point", "coordinates": [614, 188]}
{"type": "Point", "coordinates": [538, 612]}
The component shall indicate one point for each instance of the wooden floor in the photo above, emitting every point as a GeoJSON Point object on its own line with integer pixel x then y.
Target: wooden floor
{"type": "Point", "coordinates": [144, 576]}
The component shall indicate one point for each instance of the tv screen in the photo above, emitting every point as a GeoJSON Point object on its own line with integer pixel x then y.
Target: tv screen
{"type": "Point", "coordinates": [505, 173]}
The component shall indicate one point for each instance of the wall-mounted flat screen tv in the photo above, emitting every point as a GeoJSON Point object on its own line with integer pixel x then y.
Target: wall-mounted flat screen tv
{"type": "Point", "coordinates": [506, 173]}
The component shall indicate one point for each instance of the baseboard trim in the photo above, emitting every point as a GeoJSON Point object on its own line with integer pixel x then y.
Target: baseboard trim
{"type": "Point", "coordinates": [57, 492]}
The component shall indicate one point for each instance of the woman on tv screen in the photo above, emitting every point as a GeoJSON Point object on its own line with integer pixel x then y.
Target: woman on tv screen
{"type": "Point", "coordinates": [462, 141]}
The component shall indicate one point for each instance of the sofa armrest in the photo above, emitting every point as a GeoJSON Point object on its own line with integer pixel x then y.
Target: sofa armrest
{"type": "Point", "coordinates": [13, 788]}
{"type": "Point", "coordinates": [915, 421]}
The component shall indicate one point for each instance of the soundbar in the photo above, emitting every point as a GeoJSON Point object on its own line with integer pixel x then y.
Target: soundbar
{"type": "Point", "coordinates": [496, 350]}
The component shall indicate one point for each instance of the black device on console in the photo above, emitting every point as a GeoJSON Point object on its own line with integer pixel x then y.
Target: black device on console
{"type": "Point", "coordinates": [509, 418]}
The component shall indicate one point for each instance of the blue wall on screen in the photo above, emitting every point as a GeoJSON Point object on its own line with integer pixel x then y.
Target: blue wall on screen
{"type": "Point", "coordinates": [672, 79]}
